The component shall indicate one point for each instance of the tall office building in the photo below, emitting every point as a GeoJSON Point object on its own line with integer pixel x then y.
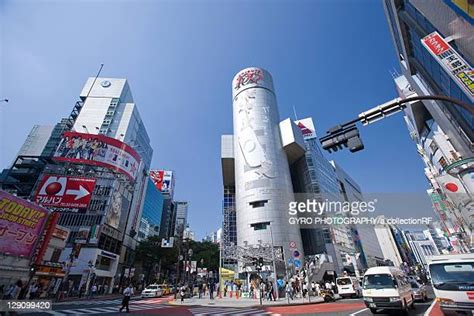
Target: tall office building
{"type": "Point", "coordinates": [363, 236]}
{"type": "Point", "coordinates": [36, 141]}
{"type": "Point", "coordinates": [181, 217]}
{"type": "Point", "coordinates": [102, 158]}
{"type": "Point", "coordinates": [152, 211]}
{"type": "Point", "coordinates": [422, 246]}
{"type": "Point", "coordinates": [314, 175]}
{"type": "Point", "coordinates": [434, 47]}
{"type": "Point", "coordinates": [109, 110]}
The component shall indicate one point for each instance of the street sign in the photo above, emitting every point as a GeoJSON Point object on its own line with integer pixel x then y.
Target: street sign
{"type": "Point", "coordinates": [292, 244]}
{"type": "Point", "coordinates": [296, 254]}
{"type": "Point", "coordinates": [297, 263]}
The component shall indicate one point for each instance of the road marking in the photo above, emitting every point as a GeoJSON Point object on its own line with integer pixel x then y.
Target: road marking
{"type": "Point", "coordinates": [428, 311]}
{"type": "Point", "coordinates": [362, 310]}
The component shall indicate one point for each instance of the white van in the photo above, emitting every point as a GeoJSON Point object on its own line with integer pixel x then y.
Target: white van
{"type": "Point", "coordinates": [348, 286]}
{"type": "Point", "coordinates": [452, 277]}
{"type": "Point", "coordinates": [387, 288]}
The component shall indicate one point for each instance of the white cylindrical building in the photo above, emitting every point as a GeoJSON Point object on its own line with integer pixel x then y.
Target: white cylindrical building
{"type": "Point", "coordinates": [262, 175]}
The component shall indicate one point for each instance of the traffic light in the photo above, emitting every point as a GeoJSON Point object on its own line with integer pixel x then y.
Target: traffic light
{"type": "Point", "coordinates": [260, 262]}
{"type": "Point", "coordinates": [342, 136]}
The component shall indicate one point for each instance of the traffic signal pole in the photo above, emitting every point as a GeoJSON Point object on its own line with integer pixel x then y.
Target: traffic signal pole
{"type": "Point", "coordinates": [347, 134]}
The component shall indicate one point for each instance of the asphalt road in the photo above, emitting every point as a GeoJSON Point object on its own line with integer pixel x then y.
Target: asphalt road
{"type": "Point", "coordinates": [159, 306]}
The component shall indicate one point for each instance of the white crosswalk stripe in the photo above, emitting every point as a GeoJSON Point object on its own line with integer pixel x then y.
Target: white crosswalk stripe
{"type": "Point", "coordinates": [204, 310]}
{"type": "Point", "coordinates": [134, 306]}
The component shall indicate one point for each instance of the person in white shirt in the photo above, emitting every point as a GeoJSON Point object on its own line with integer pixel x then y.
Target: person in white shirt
{"type": "Point", "coordinates": [127, 293]}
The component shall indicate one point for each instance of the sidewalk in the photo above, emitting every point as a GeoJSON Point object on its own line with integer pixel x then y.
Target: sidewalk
{"type": "Point", "coordinates": [244, 302]}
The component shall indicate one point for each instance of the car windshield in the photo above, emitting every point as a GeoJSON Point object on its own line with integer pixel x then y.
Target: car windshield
{"type": "Point", "coordinates": [414, 285]}
{"type": "Point", "coordinates": [453, 276]}
{"type": "Point", "coordinates": [152, 287]}
{"type": "Point", "coordinates": [344, 281]}
{"type": "Point", "coordinates": [378, 281]}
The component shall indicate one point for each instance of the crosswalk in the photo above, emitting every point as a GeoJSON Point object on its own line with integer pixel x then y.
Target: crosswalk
{"type": "Point", "coordinates": [89, 302]}
{"type": "Point", "coordinates": [205, 310]}
{"type": "Point", "coordinates": [158, 303]}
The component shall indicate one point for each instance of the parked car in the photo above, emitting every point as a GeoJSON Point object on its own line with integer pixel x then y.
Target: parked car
{"type": "Point", "coordinates": [387, 288]}
{"type": "Point", "coordinates": [152, 290]}
{"type": "Point", "coordinates": [419, 291]}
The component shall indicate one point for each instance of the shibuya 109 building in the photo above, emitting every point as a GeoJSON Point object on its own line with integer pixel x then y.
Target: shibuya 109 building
{"type": "Point", "coordinates": [263, 186]}
{"type": "Point", "coordinates": [264, 164]}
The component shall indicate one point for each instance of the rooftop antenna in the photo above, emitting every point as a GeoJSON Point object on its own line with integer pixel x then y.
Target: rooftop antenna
{"type": "Point", "coordinates": [294, 111]}
{"type": "Point", "coordinates": [96, 76]}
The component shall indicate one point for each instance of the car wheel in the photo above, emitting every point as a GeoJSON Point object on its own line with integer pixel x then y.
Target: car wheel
{"type": "Point", "coordinates": [373, 311]}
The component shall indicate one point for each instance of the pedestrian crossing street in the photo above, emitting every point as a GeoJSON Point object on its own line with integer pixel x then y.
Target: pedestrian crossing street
{"type": "Point", "coordinates": [157, 303]}
{"type": "Point", "coordinates": [205, 310]}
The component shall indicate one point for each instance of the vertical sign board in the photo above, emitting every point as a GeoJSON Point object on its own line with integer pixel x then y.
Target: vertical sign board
{"type": "Point", "coordinates": [459, 70]}
{"type": "Point", "coordinates": [21, 223]}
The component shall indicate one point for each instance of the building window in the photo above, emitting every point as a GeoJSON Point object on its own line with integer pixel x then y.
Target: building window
{"type": "Point", "coordinates": [258, 203]}
{"type": "Point", "coordinates": [442, 161]}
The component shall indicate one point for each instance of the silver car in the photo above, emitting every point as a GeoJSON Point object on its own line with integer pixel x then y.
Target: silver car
{"type": "Point", "coordinates": [419, 291]}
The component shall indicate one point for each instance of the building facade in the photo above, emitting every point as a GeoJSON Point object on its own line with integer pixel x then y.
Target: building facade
{"type": "Point", "coordinates": [181, 216]}
{"type": "Point", "coordinates": [103, 230]}
{"type": "Point", "coordinates": [433, 41]}
{"type": "Point", "coordinates": [152, 209]}
{"type": "Point", "coordinates": [263, 185]}
{"type": "Point", "coordinates": [36, 141]}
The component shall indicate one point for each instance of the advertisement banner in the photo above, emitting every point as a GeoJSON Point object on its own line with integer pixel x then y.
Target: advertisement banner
{"type": "Point", "coordinates": [21, 223]}
{"type": "Point", "coordinates": [64, 191]}
{"type": "Point", "coordinates": [157, 178]}
{"type": "Point", "coordinates": [168, 182]}
{"type": "Point", "coordinates": [461, 72]}
{"type": "Point", "coordinates": [98, 150]}
{"type": "Point", "coordinates": [306, 126]}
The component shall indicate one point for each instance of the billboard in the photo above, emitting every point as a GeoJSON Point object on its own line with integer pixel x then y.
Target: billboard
{"type": "Point", "coordinates": [21, 223]}
{"type": "Point", "coordinates": [64, 191]}
{"type": "Point", "coordinates": [459, 70]}
{"type": "Point", "coordinates": [157, 178]}
{"type": "Point", "coordinates": [163, 180]}
{"type": "Point", "coordinates": [306, 126]}
{"type": "Point", "coordinates": [98, 150]}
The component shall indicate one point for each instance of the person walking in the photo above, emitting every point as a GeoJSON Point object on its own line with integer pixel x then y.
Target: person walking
{"type": "Point", "coordinates": [182, 293]}
{"type": "Point", "coordinates": [200, 289]}
{"type": "Point", "coordinates": [93, 291]}
{"type": "Point", "coordinates": [289, 290]}
{"type": "Point", "coordinates": [127, 293]}
{"type": "Point", "coordinates": [211, 289]}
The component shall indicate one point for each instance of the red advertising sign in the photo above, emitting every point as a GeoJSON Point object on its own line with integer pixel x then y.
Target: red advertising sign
{"type": "Point", "coordinates": [435, 43]}
{"type": "Point", "coordinates": [98, 150]}
{"type": "Point", "coordinates": [157, 178]}
{"type": "Point", "coordinates": [21, 222]}
{"type": "Point", "coordinates": [65, 192]}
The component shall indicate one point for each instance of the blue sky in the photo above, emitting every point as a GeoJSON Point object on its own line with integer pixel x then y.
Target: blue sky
{"type": "Point", "coordinates": [329, 59]}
